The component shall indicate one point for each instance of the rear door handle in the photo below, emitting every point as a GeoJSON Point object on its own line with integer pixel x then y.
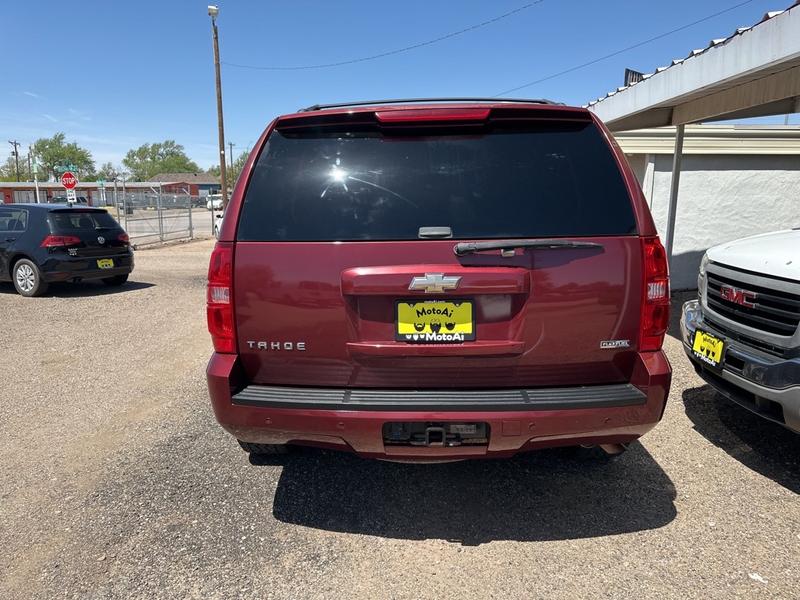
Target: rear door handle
{"type": "Point", "coordinates": [11, 239]}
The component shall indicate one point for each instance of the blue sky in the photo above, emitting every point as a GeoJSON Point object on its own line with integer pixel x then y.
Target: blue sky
{"type": "Point", "coordinates": [114, 75]}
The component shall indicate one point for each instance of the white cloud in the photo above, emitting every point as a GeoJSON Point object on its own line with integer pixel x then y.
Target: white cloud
{"type": "Point", "coordinates": [80, 114]}
{"type": "Point", "coordinates": [32, 95]}
{"type": "Point", "coordinates": [50, 118]}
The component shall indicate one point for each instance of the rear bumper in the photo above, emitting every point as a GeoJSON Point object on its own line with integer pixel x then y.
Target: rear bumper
{"type": "Point", "coordinates": [518, 420]}
{"type": "Point", "coordinates": [75, 268]}
{"type": "Point", "coordinates": [753, 379]}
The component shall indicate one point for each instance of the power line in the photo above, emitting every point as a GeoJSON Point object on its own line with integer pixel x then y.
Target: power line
{"type": "Point", "coordinates": [607, 56]}
{"type": "Point", "coordinates": [390, 52]}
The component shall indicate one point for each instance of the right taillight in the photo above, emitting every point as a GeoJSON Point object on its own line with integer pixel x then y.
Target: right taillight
{"type": "Point", "coordinates": [655, 297]}
{"type": "Point", "coordinates": [219, 299]}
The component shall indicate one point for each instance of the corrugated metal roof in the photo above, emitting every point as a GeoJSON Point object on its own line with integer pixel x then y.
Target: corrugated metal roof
{"type": "Point", "coordinates": [712, 44]}
{"type": "Point", "coordinates": [82, 185]}
{"type": "Point", "coordinates": [198, 178]}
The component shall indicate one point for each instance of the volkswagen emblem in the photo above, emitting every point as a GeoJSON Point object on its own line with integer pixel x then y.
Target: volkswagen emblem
{"type": "Point", "coordinates": [101, 240]}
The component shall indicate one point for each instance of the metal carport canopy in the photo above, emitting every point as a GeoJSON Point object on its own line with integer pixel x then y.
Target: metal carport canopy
{"type": "Point", "coordinates": [753, 72]}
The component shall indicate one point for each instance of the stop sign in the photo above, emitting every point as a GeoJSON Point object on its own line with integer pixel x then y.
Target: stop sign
{"type": "Point", "coordinates": [69, 181]}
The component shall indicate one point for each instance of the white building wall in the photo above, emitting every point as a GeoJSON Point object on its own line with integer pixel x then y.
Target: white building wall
{"type": "Point", "coordinates": [722, 198]}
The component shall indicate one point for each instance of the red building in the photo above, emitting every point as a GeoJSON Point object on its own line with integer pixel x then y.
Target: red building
{"type": "Point", "coordinates": [193, 184]}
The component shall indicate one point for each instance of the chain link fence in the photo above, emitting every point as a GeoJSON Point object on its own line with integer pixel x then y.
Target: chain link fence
{"type": "Point", "coordinates": [150, 216]}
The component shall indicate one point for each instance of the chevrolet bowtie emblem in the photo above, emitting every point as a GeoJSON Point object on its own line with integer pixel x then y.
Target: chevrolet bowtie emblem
{"type": "Point", "coordinates": [434, 283]}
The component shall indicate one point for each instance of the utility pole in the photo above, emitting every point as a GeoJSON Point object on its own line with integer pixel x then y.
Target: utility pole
{"type": "Point", "coordinates": [230, 154]}
{"type": "Point", "coordinates": [213, 11]}
{"type": "Point", "coordinates": [15, 154]}
{"type": "Point", "coordinates": [36, 179]}
{"type": "Point", "coordinates": [30, 172]}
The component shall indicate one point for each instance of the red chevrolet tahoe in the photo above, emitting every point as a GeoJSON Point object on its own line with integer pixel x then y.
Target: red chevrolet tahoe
{"type": "Point", "coordinates": [437, 280]}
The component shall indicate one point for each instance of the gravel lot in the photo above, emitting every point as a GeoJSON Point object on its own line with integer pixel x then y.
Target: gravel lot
{"type": "Point", "coordinates": [116, 482]}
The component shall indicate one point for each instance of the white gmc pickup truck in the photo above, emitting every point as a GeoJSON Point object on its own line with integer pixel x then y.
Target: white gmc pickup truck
{"type": "Point", "coordinates": [743, 333]}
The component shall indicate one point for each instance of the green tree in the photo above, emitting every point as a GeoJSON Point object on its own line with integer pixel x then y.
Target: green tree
{"type": "Point", "coordinates": [55, 151]}
{"type": "Point", "coordinates": [162, 157]}
{"type": "Point", "coordinates": [8, 171]}
{"type": "Point", "coordinates": [108, 172]}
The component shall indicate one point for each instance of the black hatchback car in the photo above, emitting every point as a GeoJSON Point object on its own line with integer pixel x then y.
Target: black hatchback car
{"type": "Point", "coordinates": [44, 243]}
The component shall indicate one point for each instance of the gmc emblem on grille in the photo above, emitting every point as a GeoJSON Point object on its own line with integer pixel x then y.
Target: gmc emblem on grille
{"type": "Point", "coordinates": [738, 296]}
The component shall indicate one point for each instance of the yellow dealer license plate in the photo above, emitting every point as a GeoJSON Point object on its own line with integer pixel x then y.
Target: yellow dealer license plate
{"type": "Point", "coordinates": [105, 263]}
{"type": "Point", "coordinates": [435, 322]}
{"type": "Point", "coordinates": [708, 348]}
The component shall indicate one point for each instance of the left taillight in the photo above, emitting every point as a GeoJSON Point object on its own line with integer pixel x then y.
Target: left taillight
{"type": "Point", "coordinates": [60, 241]}
{"type": "Point", "coordinates": [219, 299]}
{"type": "Point", "coordinates": [124, 238]}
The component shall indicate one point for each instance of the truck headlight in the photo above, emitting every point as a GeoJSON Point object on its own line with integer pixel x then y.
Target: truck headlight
{"type": "Point", "coordinates": [701, 276]}
{"type": "Point", "coordinates": [703, 264]}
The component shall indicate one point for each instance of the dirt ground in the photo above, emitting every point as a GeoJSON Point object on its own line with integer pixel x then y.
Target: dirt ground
{"type": "Point", "coordinates": [116, 482]}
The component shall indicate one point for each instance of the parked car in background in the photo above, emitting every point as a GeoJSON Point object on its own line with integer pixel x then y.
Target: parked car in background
{"type": "Point", "coordinates": [45, 243]}
{"type": "Point", "coordinates": [79, 200]}
{"type": "Point", "coordinates": [438, 281]}
{"type": "Point", "coordinates": [743, 332]}
{"type": "Point", "coordinates": [214, 202]}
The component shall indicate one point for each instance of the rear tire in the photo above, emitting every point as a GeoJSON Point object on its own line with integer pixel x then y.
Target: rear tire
{"type": "Point", "coordinates": [28, 278]}
{"type": "Point", "coordinates": [115, 281]}
{"type": "Point", "coordinates": [263, 449]}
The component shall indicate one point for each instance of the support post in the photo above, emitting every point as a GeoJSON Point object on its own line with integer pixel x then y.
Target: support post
{"type": "Point", "coordinates": [673, 191]}
{"type": "Point", "coordinates": [160, 214]}
{"type": "Point", "coordinates": [125, 205]}
{"type": "Point", "coordinates": [189, 201]}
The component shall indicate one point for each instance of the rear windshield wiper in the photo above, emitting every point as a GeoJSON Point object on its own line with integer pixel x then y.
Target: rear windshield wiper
{"type": "Point", "coordinates": [463, 248]}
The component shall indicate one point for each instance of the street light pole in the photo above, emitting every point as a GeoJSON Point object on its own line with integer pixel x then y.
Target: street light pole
{"type": "Point", "coordinates": [230, 155]}
{"type": "Point", "coordinates": [213, 11]}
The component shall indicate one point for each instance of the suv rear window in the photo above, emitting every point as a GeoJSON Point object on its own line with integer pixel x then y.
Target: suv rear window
{"type": "Point", "coordinates": [551, 181]}
{"type": "Point", "coordinates": [67, 221]}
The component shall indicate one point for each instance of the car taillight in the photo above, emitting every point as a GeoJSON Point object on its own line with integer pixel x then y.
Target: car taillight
{"type": "Point", "coordinates": [655, 299]}
{"type": "Point", "coordinates": [124, 238]}
{"type": "Point", "coordinates": [59, 241]}
{"type": "Point", "coordinates": [219, 299]}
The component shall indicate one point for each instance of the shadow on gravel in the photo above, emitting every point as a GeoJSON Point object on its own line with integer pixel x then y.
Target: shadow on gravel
{"type": "Point", "coordinates": [544, 495]}
{"type": "Point", "coordinates": [676, 306]}
{"type": "Point", "coordinates": [758, 444]}
{"type": "Point", "coordinates": [83, 289]}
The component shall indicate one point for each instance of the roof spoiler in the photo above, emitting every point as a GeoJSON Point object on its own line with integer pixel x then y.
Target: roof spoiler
{"type": "Point", "coordinates": [451, 116]}
{"type": "Point", "coordinates": [314, 107]}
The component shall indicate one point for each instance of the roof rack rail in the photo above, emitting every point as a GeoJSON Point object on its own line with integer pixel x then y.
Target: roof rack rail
{"type": "Point", "coordinates": [421, 100]}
